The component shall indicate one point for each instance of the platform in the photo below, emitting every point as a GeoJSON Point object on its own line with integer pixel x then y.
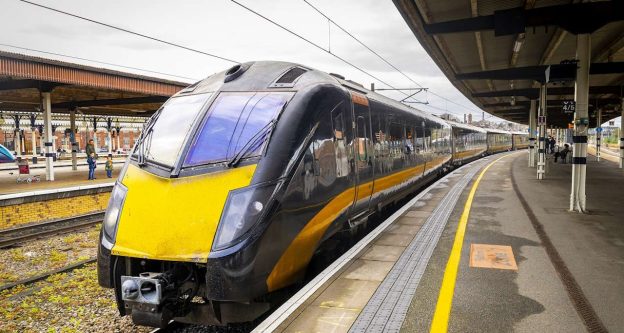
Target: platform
{"type": "Point", "coordinates": [563, 272]}
{"type": "Point", "coordinates": [64, 176]}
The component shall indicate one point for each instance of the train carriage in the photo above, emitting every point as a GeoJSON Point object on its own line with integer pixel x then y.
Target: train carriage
{"type": "Point", "coordinates": [469, 143]}
{"type": "Point", "coordinates": [238, 180]}
{"type": "Point", "coordinates": [498, 141]}
{"type": "Point", "coordinates": [520, 140]}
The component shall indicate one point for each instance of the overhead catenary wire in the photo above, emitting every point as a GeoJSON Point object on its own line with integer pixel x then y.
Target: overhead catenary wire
{"type": "Point", "coordinates": [130, 31]}
{"type": "Point", "coordinates": [326, 51]}
{"type": "Point", "coordinates": [234, 61]}
{"type": "Point", "coordinates": [313, 44]}
{"type": "Point", "coordinates": [192, 49]}
{"type": "Point", "coordinates": [381, 57]}
{"type": "Point", "coordinates": [96, 61]}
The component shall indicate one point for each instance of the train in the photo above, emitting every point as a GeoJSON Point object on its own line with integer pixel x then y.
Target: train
{"type": "Point", "coordinates": [5, 155]}
{"type": "Point", "coordinates": [239, 179]}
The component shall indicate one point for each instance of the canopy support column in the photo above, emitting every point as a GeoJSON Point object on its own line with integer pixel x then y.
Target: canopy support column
{"type": "Point", "coordinates": [622, 135]}
{"type": "Point", "coordinates": [532, 135]}
{"type": "Point", "coordinates": [18, 142]}
{"type": "Point", "coordinates": [33, 139]}
{"type": "Point", "coordinates": [541, 144]}
{"type": "Point", "coordinates": [581, 122]}
{"type": "Point", "coordinates": [47, 124]}
{"type": "Point", "coordinates": [598, 133]}
{"type": "Point", "coordinates": [72, 138]}
{"type": "Point", "coordinates": [117, 133]}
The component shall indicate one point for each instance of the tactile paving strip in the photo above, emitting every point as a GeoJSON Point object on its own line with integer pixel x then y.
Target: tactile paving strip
{"type": "Point", "coordinates": [386, 310]}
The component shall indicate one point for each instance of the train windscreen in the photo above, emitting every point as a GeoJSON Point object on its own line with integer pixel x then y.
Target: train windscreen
{"type": "Point", "coordinates": [164, 134]}
{"type": "Point", "coordinates": [237, 125]}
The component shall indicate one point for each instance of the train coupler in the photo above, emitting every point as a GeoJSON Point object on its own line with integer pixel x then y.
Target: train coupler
{"type": "Point", "coordinates": [144, 296]}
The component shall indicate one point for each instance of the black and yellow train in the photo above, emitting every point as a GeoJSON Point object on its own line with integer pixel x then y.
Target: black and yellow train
{"type": "Point", "coordinates": [238, 179]}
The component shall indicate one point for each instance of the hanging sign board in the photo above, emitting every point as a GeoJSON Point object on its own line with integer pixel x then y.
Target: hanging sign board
{"type": "Point", "coordinates": [541, 120]}
{"type": "Point", "coordinates": [568, 106]}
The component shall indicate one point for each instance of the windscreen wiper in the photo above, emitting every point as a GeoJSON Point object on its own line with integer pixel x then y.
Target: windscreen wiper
{"type": "Point", "coordinates": [252, 143]}
{"type": "Point", "coordinates": [144, 137]}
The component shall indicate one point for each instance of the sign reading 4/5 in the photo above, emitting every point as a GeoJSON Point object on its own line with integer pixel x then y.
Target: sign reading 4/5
{"type": "Point", "coordinates": [568, 106]}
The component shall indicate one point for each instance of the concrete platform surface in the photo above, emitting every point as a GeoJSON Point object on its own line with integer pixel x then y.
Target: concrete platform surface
{"type": "Point", "coordinates": [570, 266]}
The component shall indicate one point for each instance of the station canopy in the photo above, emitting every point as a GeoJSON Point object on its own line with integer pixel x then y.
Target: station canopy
{"type": "Point", "coordinates": [91, 90]}
{"type": "Point", "coordinates": [497, 53]}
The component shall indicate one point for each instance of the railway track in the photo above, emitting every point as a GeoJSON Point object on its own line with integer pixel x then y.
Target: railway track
{"type": "Point", "coordinates": [17, 235]}
{"type": "Point", "coordinates": [45, 275]}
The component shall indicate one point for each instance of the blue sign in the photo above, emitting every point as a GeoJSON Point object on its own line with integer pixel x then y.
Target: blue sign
{"type": "Point", "coordinates": [598, 129]}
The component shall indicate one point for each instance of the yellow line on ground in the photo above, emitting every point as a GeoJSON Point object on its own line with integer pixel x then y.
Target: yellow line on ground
{"type": "Point", "coordinates": [445, 298]}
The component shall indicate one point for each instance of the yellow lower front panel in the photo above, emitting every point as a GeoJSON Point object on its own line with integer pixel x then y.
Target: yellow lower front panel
{"type": "Point", "coordinates": [174, 218]}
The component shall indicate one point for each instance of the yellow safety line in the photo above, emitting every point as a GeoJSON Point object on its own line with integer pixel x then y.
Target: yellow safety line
{"type": "Point", "coordinates": [445, 298]}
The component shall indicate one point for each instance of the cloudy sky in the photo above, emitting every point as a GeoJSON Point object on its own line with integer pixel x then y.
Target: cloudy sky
{"type": "Point", "coordinates": [223, 28]}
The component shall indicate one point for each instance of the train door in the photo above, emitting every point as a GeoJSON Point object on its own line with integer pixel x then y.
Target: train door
{"type": "Point", "coordinates": [363, 155]}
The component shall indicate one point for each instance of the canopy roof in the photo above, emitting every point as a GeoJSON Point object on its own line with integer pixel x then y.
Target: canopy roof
{"type": "Point", "coordinates": [95, 91]}
{"type": "Point", "coordinates": [496, 52]}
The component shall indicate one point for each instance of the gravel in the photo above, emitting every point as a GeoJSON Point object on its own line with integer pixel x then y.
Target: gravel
{"type": "Point", "coordinates": [44, 255]}
{"type": "Point", "coordinates": [67, 302]}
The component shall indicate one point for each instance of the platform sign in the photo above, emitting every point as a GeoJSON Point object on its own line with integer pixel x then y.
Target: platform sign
{"type": "Point", "coordinates": [541, 120]}
{"type": "Point", "coordinates": [568, 106]}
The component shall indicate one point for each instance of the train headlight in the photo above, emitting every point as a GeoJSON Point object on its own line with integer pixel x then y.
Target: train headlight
{"type": "Point", "coordinates": [243, 208]}
{"type": "Point", "coordinates": [111, 217]}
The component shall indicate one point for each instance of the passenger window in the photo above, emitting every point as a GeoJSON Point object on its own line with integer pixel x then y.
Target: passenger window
{"type": "Point", "coordinates": [361, 139]}
{"type": "Point", "coordinates": [409, 141]}
{"type": "Point", "coordinates": [395, 135]}
{"type": "Point", "coordinates": [342, 161]}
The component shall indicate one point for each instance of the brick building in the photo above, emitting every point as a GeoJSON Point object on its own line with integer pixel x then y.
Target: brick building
{"type": "Point", "coordinates": [127, 138]}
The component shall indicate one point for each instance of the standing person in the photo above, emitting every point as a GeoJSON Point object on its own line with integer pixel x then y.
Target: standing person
{"type": "Point", "coordinates": [90, 148]}
{"type": "Point", "coordinates": [92, 166]}
{"type": "Point", "coordinates": [551, 144]}
{"type": "Point", "coordinates": [109, 166]}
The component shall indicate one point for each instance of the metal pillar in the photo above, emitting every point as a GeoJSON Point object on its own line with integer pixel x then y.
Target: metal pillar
{"type": "Point", "coordinates": [622, 135]}
{"type": "Point", "coordinates": [17, 141]}
{"type": "Point", "coordinates": [33, 138]}
{"type": "Point", "coordinates": [47, 123]}
{"type": "Point", "coordinates": [72, 138]}
{"type": "Point", "coordinates": [581, 122]}
{"type": "Point", "coordinates": [541, 141]}
{"type": "Point", "coordinates": [532, 135]}
{"type": "Point", "coordinates": [598, 133]}
{"type": "Point", "coordinates": [117, 135]}
{"type": "Point", "coordinates": [110, 142]}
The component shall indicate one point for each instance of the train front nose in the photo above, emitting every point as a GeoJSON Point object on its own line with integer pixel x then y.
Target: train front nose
{"type": "Point", "coordinates": [172, 219]}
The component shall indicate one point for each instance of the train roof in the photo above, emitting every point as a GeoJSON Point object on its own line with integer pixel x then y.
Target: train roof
{"type": "Point", "coordinates": [279, 75]}
{"type": "Point", "coordinates": [494, 130]}
{"type": "Point", "coordinates": [467, 126]}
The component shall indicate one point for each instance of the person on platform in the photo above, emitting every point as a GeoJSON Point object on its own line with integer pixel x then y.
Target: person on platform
{"type": "Point", "coordinates": [563, 153]}
{"type": "Point", "coordinates": [551, 144]}
{"type": "Point", "coordinates": [92, 166]}
{"type": "Point", "coordinates": [109, 166]}
{"type": "Point", "coordinates": [91, 149]}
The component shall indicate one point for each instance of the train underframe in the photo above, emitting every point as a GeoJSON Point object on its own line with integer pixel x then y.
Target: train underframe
{"type": "Point", "coordinates": [154, 292]}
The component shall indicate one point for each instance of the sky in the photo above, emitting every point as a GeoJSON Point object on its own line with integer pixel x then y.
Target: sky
{"type": "Point", "coordinates": [223, 28]}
